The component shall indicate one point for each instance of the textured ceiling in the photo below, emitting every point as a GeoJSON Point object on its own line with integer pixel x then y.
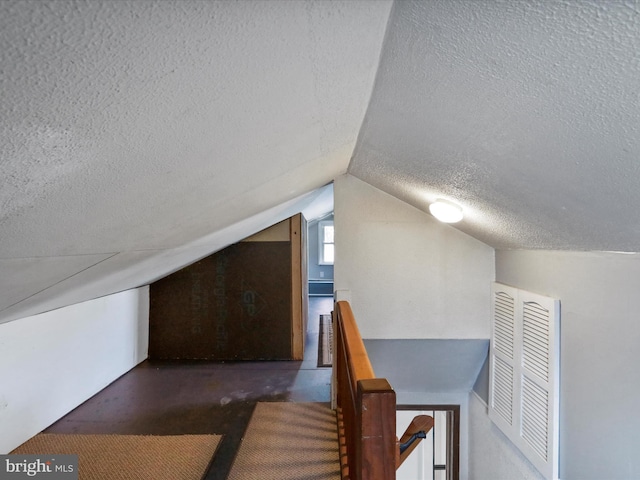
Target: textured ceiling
{"type": "Point", "coordinates": [526, 113]}
{"type": "Point", "coordinates": [139, 136]}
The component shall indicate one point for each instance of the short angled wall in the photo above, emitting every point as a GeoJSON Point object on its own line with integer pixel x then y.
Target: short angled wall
{"type": "Point", "coordinates": [52, 362]}
{"type": "Point", "coordinates": [491, 453]}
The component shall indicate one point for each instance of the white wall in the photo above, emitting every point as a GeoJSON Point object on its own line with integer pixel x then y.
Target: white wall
{"type": "Point", "coordinates": [52, 362]}
{"type": "Point", "coordinates": [492, 456]}
{"type": "Point", "coordinates": [600, 354]}
{"type": "Point", "coordinates": [408, 275]}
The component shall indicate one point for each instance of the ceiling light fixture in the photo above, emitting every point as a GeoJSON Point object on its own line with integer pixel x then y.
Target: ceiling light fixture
{"type": "Point", "coordinates": [446, 211]}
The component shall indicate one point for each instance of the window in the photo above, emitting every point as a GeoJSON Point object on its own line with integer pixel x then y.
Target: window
{"type": "Point", "coordinates": [325, 242]}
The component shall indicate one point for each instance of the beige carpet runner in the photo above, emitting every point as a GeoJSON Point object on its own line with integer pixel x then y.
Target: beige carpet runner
{"type": "Point", "coordinates": [325, 341]}
{"type": "Point", "coordinates": [130, 457]}
{"type": "Point", "coordinates": [289, 441]}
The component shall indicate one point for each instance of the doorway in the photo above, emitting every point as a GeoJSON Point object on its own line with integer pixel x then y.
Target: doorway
{"type": "Point", "coordinates": [320, 254]}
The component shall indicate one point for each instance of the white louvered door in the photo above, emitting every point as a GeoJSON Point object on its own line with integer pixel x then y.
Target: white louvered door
{"type": "Point", "coordinates": [524, 373]}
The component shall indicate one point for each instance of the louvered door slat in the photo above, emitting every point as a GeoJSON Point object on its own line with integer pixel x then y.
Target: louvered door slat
{"type": "Point", "coordinates": [504, 323]}
{"type": "Point", "coordinates": [535, 417]}
{"type": "Point", "coordinates": [535, 338]}
{"type": "Point", "coordinates": [502, 390]}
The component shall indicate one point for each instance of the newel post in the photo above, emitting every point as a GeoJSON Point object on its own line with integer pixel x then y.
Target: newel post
{"type": "Point", "coordinates": [376, 427]}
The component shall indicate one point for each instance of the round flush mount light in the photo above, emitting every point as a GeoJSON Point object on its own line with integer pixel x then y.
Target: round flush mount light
{"type": "Point", "coordinates": [445, 211]}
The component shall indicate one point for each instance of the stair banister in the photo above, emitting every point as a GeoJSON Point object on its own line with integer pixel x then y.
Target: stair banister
{"type": "Point", "coordinates": [366, 409]}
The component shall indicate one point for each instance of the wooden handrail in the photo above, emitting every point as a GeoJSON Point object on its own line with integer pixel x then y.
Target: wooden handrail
{"type": "Point", "coordinates": [420, 424]}
{"type": "Point", "coordinates": [357, 359]}
{"type": "Point", "coordinates": [366, 408]}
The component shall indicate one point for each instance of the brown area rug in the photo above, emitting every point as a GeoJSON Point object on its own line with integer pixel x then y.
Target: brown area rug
{"type": "Point", "coordinates": [289, 441]}
{"type": "Point", "coordinates": [130, 457]}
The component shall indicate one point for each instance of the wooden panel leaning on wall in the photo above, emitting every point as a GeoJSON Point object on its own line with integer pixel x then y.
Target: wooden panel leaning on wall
{"type": "Point", "coordinates": [244, 302]}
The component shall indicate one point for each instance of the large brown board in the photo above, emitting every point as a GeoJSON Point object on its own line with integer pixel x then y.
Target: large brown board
{"type": "Point", "coordinates": [233, 305]}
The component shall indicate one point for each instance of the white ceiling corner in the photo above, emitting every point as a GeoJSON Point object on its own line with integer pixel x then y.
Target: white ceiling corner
{"type": "Point", "coordinates": [525, 113]}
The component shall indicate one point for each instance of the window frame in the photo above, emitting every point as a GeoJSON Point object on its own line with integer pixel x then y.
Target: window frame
{"type": "Point", "coordinates": [321, 243]}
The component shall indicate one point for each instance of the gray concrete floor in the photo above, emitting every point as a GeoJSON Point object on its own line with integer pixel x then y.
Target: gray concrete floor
{"type": "Point", "coordinates": [173, 398]}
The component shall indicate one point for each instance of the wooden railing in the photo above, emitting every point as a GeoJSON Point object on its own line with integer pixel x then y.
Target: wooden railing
{"type": "Point", "coordinates": [366, 409]}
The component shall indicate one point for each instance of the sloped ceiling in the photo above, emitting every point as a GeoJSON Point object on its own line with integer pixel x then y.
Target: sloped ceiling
{"type": "Point", "coordinates": [139, 136]}
{"type": "Point", "coordinates": [526, 113]}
